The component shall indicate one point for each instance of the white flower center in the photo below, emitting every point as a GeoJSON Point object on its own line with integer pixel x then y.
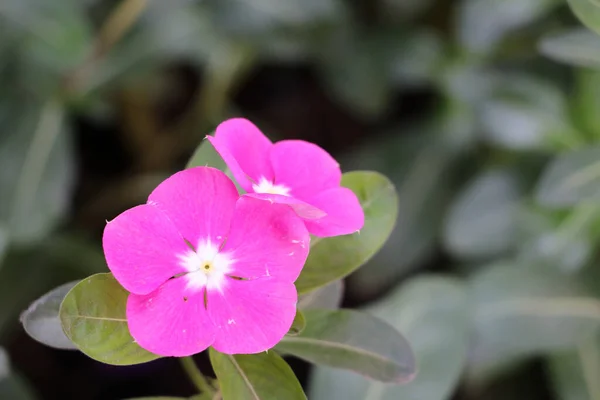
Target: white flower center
{"type": "Point", "coordinates": [266, 186]}
{"type": "Point", "coordinates": [206, 266]}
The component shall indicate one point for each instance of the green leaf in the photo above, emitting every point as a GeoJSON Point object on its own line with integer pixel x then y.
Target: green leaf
{"type": "Point", "coordinates": [578, 47]}
{"type": "Point", "coordinates": [572, 372]}
{"type": "Point", "coordinates": [206, 155]}
{"type": "Point", "coordinates": [355, 341]}
{"type": "Point", "coordinates": [482, 222]}
{"type": "Point", "coordinates": [255, 376]}
{"type": "Point", "coordinates": [93, 317]}
{"type": "Point", "coordinates": [545, 309]}
{"type": "Point", "coordinates": [570, 179]}
{"type": "Point", "coordinates": [54, 261]}
{"type": "Point", "coordinates": [326, 297]}
{"type": "Point", "coordinates": [588, 11]}
{"type": "Point", "coordinates": [298, 325]}
{"type": "Point", "coordinates": [41, 320]}
{"type": "Point", "coordinates": [333, 258]}
{"type": "Point", "coordinates": [36, 171]}
{"type": "Point", "coordinates": [482, 24]}
{"type": "Point", "coordinates": [438, 331]}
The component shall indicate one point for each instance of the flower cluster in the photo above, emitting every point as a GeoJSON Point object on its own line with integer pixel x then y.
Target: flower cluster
{"type": "Point", "coordinates": [206, 266]}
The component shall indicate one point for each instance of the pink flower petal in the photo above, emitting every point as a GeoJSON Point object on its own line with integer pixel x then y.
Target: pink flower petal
{"type": "Point", "coordinates": [302, 209]}
{"type": "Point", "coordinates": [199, 201]}
{"type": "Point", "coordinates": [171, 321]}
{"type": "Point", "coordinates": [251, 316]}
{"type": "Point", "coordinates": [266, 239]}
{"type": "Point", "coordinates": [141, 246]}
{"type": "Point", "coordinates": [304, 167]}
{"type": "Point", "coordinates": [244, 149]}
{"type": "Point", "coordinates": [344, 213]}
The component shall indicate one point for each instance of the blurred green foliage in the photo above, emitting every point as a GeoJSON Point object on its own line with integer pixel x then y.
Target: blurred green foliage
{"type": "Point", "coordinates": [498, 172]}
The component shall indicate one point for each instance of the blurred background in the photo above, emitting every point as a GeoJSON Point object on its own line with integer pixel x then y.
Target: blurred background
{"type": "Point", "coordinates": [484, 113]}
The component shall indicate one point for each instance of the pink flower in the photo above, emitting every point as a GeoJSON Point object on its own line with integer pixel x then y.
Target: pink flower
{"type": "Point", "coordinates": [292, 172]}
{"type": "Point", "coordinates": [205, 267]}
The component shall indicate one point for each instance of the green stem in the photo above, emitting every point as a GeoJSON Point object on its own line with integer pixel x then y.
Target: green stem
{"type": "Point", "coordinates": [192, 371]}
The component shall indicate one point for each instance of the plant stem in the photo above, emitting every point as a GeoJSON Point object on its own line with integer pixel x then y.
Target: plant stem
{"type": "Point", "coordinates": [192, 371]}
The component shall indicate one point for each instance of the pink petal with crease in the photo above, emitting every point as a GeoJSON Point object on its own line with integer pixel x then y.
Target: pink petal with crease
{"type": "Point", "coordinates": [199, 201]}
{"type": "Point", "coordinates": [171, 321]}
{"type": "Point", "coordinates": [252, 316]}
{"type": "Point", "coordinates": [304, 167]}
{"type": "Point", "coordinates": [302, 208]}
{"type": "Point", "coordinates": [344, 213]}
{"type": "Point", "coordinates": [141, 247]}
{"type": "Point", "coordinates": [244, 149]}
{"type": "Point", "coordinates": [266, 240]}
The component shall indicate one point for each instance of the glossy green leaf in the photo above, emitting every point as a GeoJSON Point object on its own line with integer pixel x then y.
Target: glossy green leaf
{"type": "Point", "coordinates": [298, 325]}
{"type": "Point", "coordinates": [36, 171]}
{"type": "Point", "coordinates": [482, 24]}
{"type": "Point", "coordinates": [579, 47]}
{"type": "Point", "coordinates": [482, 222]}
{"type": "Point", "coordinates": [438, 331]}
{"type": "Point", "coordinates": [571, 178]}
{"type": "Point", "coordinates": [93, 318]}
{"type": "Point", "coordinates": [354, 341]}
{"type": "Point", "coordinates": [588, 11]}
{"type": "Point", "coordinates": [255, 376]}
{"type": "Point", "coordinates": [41, 320]}
{"type": "Point", "coordinates": [545, 309]}
{"type": "Point", "coordinates": [326, 297]}
{"type": "Point", "coordinates": [333, 258]}
{"type": "Point", "coordinates": [206, 155]}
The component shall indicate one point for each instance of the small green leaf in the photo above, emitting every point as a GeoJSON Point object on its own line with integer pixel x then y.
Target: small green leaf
{"type": "Point", "coordinates": [93, 317]}
{"type": "Point", "coordinates": [433, 313]}
{"type": "Point", "coordinates": [571, 178]}
{"type": "Point", "coordinates": [263, 376]}
{"type": "Point", "coordinates": [482, 221]}
{"type": "Point", "coordinates": [327, 297]}
{"type": "Point", "coordinates": [588, 11]}
{"type": "Point", "coordinates": [206, 155]}
{"type": "Point", "coordinates": [355, 341]}
{"type": "Point", "coordinates": [298, 325]}
{"type": "Point", "coordinates": [333, 258]}
{"type": "Point", "coordinates": [41, 320]}
{"type": "Point", "coordinates": [579, 47]}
